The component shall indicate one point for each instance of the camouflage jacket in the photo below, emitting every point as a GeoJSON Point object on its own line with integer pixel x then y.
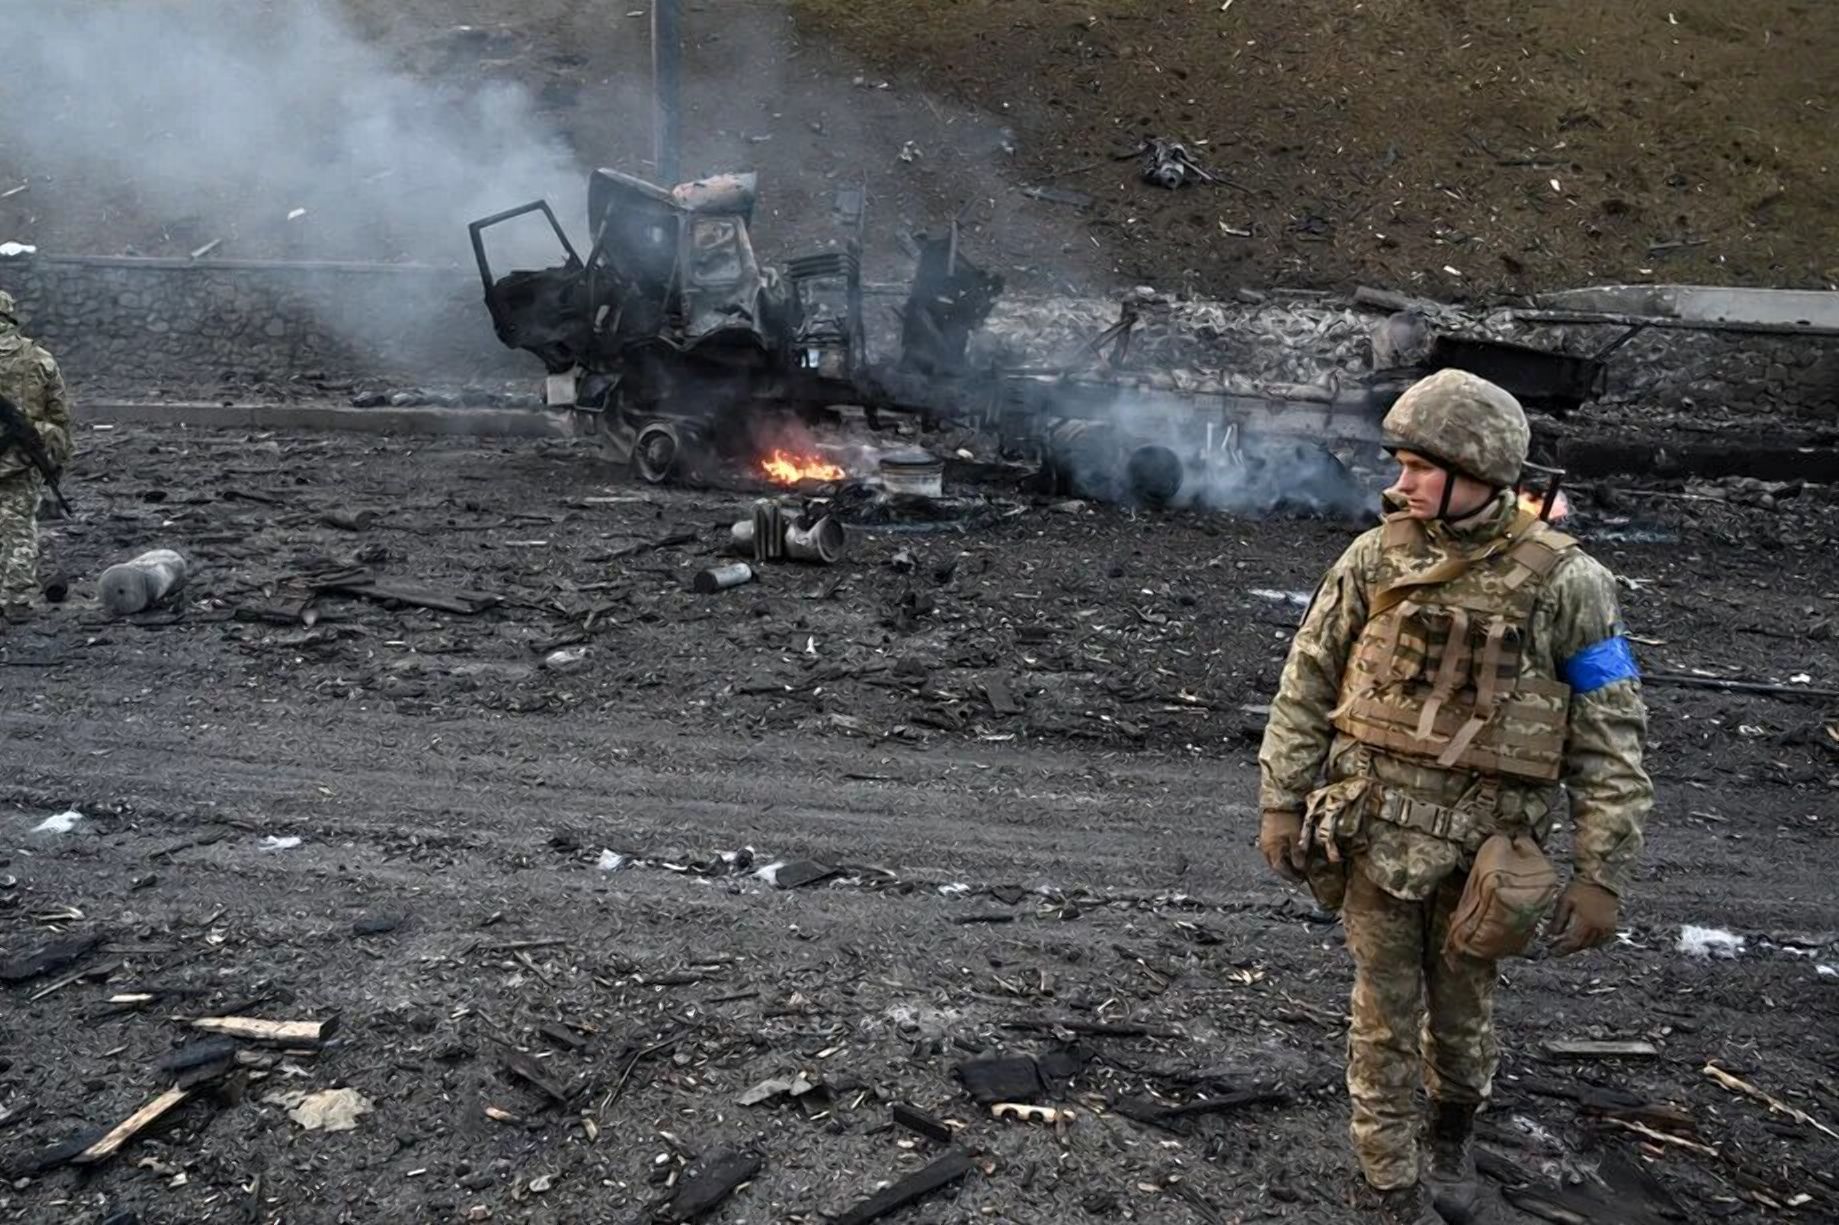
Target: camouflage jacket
{"type": "Point", "coordinates": [1575, 634]}
{"type": "Point", "coordinates": [30, 378]}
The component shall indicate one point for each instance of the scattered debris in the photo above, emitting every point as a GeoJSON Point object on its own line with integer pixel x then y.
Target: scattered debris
{"type": "Point", "coordinates": [612, 861]}
{"type": "Point", "coordinates": [130, 1127]}
{"type": "Point", "coordinates": [947, 1170]}
{"type": "Point", "coordinates": [1052, 1115]}
{"type": "Point", "coordinates": [566, 659]}
{"type": "Point", "coordinates": [1584, 1048]}
{"type": "Point", "coordinates": [797, 874]}
{"type": "Point", "coordinates": [1177, 1118]}
{"type": "Point", "coordinates": [275, 1033]}
{"type": "Point", "coordinates": [141, 582]}
{"type": "Point", "coordinates": [1167, 163]}
{"type": "Point", "coordinates": [774, 533]}
{"type": "Point", "coordinates": [795, 1086]}
{"type": "Point", "coordinates": [63, 823]}
{"type": "Point", "coordinates": [720, 578]}
{"type": "Point", "coordinates": [203, 1053]}
{"type": "Point", "coordinates": [47, 958]}
{"type": "Point", "coordinates": [1737, 1085]}
{"type": "Point", "coordinates": [419, 595]}
{"type": "Point", "coordinates": [1013, 1078]}
{"type": "Point", "coordinates": [327, 1110]}
{"type": "Point", "coordinates": [1689, 681]}
{"type": "Point", "coordinates": [1709, 942]}
{"type": "Point", "coordinates": [916, 1120]}
{"type": "Point", "coordinates": [532, 1072]}
{"type": "Point", "coordinates": [706, 1182]}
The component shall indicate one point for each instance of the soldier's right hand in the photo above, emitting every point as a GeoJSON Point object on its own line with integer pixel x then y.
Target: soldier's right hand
{"type": "Point", "coordinates": [1280, 839]}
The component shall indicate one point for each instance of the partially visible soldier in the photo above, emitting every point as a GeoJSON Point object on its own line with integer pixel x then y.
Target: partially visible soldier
{"type": "Point", "coordinates": [30, 378]}
{"type": "Point", "coordinates": [1462, 667]}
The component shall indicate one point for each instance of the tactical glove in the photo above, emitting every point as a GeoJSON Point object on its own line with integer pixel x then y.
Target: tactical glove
{"type": "Point", "coordinates": [1280, 839]}
{"type": "Point", "coordinates": [1584, 918]}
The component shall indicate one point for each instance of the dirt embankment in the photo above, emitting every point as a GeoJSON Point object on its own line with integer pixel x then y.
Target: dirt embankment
{"type": "Point", "coordinates": [1459, 149]}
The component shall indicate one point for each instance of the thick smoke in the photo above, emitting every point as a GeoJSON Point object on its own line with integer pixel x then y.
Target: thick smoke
{"type": "Point", "coordinates": [1139, 454]}
{"type": "Point", "coordinates": [231, 116]}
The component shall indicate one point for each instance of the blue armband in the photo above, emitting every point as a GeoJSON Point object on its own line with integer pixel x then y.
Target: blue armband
{"type": "Point", "coordinates": [1599, 664]}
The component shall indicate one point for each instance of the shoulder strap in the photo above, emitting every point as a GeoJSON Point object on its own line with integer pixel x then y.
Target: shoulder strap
{"type": "Point", "coordinates": [1519, 534]}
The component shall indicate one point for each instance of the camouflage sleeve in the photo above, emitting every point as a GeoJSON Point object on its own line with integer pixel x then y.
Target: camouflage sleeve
{"type": "Point", "coordinates": [1297, 734]}
{"type": "Point", "coordinates": [54, 419]}
{"type": "Point", "coordinates": [1610, 791]}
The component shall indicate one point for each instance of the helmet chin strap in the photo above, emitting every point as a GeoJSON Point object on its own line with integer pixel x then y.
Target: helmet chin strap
{"type": "Point", "coordinates": [1449, 488]}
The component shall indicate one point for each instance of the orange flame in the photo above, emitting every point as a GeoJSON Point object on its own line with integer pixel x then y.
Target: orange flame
{"type": "Point", "coordinates": [788, 469]}
{"type": "Point", "coordinates": [1533, 500]}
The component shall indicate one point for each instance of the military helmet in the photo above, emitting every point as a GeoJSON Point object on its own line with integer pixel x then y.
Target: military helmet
{"type": "Point", "coordinates": [9, 309]}
{"type": "Point", "coordinates": [1465, 423]}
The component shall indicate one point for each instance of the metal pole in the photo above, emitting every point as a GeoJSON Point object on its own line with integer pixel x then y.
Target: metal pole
{"type": "Point", "coordinates": [666, 88]}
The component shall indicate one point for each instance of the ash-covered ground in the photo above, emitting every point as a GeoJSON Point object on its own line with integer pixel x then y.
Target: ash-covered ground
{"type": "Point", "coordinates": [1012, 759]}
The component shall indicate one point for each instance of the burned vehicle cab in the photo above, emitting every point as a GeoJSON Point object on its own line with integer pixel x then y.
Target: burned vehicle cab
{"type": "Point", "coordinates": [670, 332]}
{"type": "Point", "coordinates": [545, 311]}
{"type": "Point", "coordinates": [669, 275]}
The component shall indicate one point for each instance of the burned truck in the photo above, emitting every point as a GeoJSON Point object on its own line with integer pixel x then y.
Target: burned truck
{"type": "Point", "coordinates": [685, 349]}
{"type": "Point", "coordinates": [687, 353]}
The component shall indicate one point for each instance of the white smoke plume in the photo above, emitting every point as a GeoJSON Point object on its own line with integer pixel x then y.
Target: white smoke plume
{"type": "Point", "coordinates": [226, 114]}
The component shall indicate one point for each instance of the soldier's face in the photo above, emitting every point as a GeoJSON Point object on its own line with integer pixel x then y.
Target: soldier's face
{"type": "Point", "coordinates": [1420, 484]}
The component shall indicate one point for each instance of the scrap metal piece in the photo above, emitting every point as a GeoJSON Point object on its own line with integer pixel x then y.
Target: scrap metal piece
{"type": "Point", "coordinates": [1051, 1115]}
{"type": "Point", "coordinates": [948, 1169]}
{"type": "Point", "coordinates": [1167, 163]}
{"type": "Point", "coordinates": [916, 1120]}
{"type": "Point", "coordinates": [1012, 1079]}
{"type": "Point", "coordinates": [1537, 378]}
{"type": "Point", "coordinates": [706, 1182]}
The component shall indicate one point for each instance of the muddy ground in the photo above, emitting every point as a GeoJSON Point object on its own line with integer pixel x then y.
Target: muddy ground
{"type": "Point", "coordinates": [1029, 757]}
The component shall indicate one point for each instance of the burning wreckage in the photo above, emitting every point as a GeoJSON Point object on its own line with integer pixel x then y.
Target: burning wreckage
{"type": "Point", "coordinates": [688, 354]}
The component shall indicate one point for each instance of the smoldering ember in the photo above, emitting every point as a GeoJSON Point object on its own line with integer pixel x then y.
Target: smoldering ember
{"type": "Point", "coordinates": [670, 612]}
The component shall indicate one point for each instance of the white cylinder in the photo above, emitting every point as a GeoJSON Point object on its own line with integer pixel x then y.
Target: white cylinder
{"type": "Point", "coordinates": [720, 578]}
{"type": "Point", "coordinates": [142, 582]}
{"type": "Point", "coordinates": [824, 541]}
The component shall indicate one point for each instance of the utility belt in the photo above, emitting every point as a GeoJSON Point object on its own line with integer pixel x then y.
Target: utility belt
{"type": "Point", "coordinates": [1362, 815]}
{"type": "Point", "coordinates": [1467, 825]}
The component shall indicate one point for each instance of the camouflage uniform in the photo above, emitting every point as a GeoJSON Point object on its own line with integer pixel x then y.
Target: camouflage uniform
{"type": "Point", "coordinates": [29, 376]}
{"type": "Point", "coordinates": [1567, 716]}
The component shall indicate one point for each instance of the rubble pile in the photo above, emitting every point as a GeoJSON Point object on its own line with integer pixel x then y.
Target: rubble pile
{"type": "Point", "coordinates": [1261, 341]}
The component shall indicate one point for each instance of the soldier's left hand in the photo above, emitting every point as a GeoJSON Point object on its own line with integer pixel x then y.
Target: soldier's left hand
{"type": "Point", "coordinates": [1584, 918]}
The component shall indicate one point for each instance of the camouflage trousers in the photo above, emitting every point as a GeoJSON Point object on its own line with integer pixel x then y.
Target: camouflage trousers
{"type": "Point", "coordinates": [1417, 1021]}
{"type": "Point", "coordinates": [19, 538]}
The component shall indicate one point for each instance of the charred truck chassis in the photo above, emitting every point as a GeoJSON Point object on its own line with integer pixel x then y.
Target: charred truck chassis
{"type": "Point", "coordinates": [683, 349]}
{"type": "Point", "coordinates": [683, 346]}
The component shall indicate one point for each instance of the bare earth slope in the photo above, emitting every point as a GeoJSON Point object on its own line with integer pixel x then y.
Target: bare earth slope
{"type": "Point", "coordinates": [1459, 148]}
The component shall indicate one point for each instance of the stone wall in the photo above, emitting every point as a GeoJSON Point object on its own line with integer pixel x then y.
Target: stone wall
{"type": "Point", "coordinates": [1708, 373]}
{"type": "Point", "coordinates": [118, 322]}
{"type": "Point", "coordinates": [1238, 346]}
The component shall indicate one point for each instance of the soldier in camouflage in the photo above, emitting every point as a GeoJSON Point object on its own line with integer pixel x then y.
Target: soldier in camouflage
{"type": "Point", "coordinates": [30, 378]}
{"type": "Point", "coordinates": [1462, 669]}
